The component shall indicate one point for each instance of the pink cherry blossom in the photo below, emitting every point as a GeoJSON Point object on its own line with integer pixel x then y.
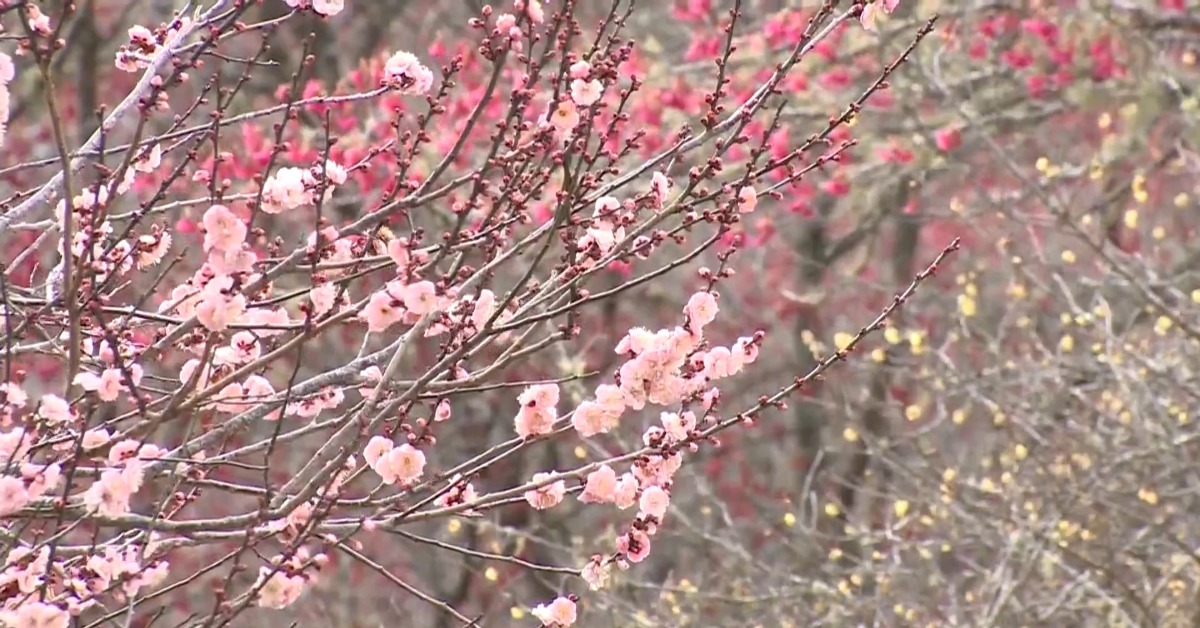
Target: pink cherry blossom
{"type": "Point", "coordinates": [747, 348]}
{"type": "Point", "coordinates": [561, 612]}
{"type": "Point", "coordinates": [42, 478]}
{"type": "Point", "coordinates": [591, 418]}
{"type": "Point", "coordinates": [871, 12]}
{"type": "Point", "coordinates": [152, 248]}
{"type": "Point", "coordinates": [420, 298]}
{"type": "Point", "coordinates": [377, 448]}
{"type": "Point", "coordinates": [404, 72]}
{"type": "Point", "coordinates": [635, 342]}
{"type": "Point", "coordinates": [13, 395]}
{"type": "Point", "coordinates": [223, 230]}
{"type": "Point", "coordinates": [126, 449]}
{"type": "Point", "coordinates": [660, 186]}
{"type": "Point", "coordinates": [596, 573]}
{"type": "Point", "coordinates": [397, 249]}
{"type": "Point", "coordinates": [110, 494]}
{"type": "Point", "coordinates": [245, 346]}
{"type": "Point", "coordinates": [537, 14]}
{"type": "Point", "coordinates": [547, 496]}
{"type": "Point", "coordinates": [678, 426]}
{"type": "Point", "coordinates": [322, 298]}
{"type": "Point", "coordinates": [702, 308]}
{"type": "Point", "coordinates": [580, 69]}
{"type": "Point", "coordinates": [257, 389]}
{"type": "Point", "coordinates": [605, 207]}
{"type": "Point", "coordinates": [635, 545]}
{"type": "Point", "coordinates": [585, 93]}
{"type": "Point", "coordinates": [230, 398]}
{"type": "Point", "coordinates": [625, 492]}
{"type": "Point", "coordinates": [564, 117]}
{"type": "Point", "coordinates": [610, 398]}
{"type": "Point", "coordinates": [719, 363]}
{"type": "Point", "coordinates": [403, 464]}
{"type": "Point", "coordinates": [371, 376]}
{"type": "Point", "coordinates": [258, 317]}
{"type": "Point", "coordinates": [869, 16]}
{"type": "Point", "coordinates": [442, 411]}
{"type": "Point", "coordinates": [328, 8]}
{"type": "Point", "coordinates": [540, 396]}
{"type": "Point", "coordinates": [600, 487]}
{"type": "Point", "coordinates": [107, 385]}
{"type": "Point", "coordinates": [382, 311]}
{"type": "Point", "coordinates": [95, 438]}
{"type": "Point", "coordinates": [276, 589]}
{"type": "Point", "coordinates": [286, 189]}
{"type": "Point", "coordinates": [747, 200]}
{"type": "Point", "coordinates": [149, 160]}
{"type": "Point", "coordinates": [13, 445]}
{"type": "Point", "coordinates": [532, 421]}
{"type": "Point", "coordinates": [189, 370]}
{"type": "Point", "coordinates": [654, 502]}
{"type": "Point", "coordinates": [219, 305]}
{"type": "Point", "coordinates": [460, 493]}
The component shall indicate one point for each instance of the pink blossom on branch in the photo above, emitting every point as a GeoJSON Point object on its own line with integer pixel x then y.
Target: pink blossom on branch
{"type": "Point", "coordinates": [404, 72]}
{"type": "Point", "coordinates": [559, 613]}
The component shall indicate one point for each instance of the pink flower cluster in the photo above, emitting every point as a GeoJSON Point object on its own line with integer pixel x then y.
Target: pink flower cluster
{"type": "Point", "coordinates": [47, 594]}
{"type": "Point", "coordinates": [93, 244]}
{"type": "Point", "coordinates": [51, 408]}
{"type": "Point", "coordinates": [110, 495]}
{"type": "Point", "coordinates": [400, 302]}
{"type": "Point", "coordinates": [585, 90]}
{"type": "Point", "coordinates": [76, 583]}
{"type": "Point", "coordinates": [32, 480]}
{"type": "Point", "coordinates": [405, 73]}
{"type": "Point", "coordinates": [667, 366]}
{"type": "Point", "coordinates": [109, 384]}
{"type": "Point", "coordinates": [144, 44]}
{"type": "Point", "coordinates": [403, 464]}
{"type": "Point", "coordinates": [281, 584]}
{"type": "Point", "coordinates": [606, 231]}
{"type": "Point", "coordinates": [293, 187]}
{"type": "Point", "coordinates": [664, 367]}
{"type": "Point", "coordinates": [460, 492]}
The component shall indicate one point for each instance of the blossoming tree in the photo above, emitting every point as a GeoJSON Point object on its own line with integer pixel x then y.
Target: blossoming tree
{"type": "Point", "coordinates": [528, 320]}
{"type": "Point", "coordinates": [240, 335]}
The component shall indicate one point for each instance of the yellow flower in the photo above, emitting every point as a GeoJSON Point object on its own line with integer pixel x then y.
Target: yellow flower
{"type": "Point", "coordinates": [966, 305]}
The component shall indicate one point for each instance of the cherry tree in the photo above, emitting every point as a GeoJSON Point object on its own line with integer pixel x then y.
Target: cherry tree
{"type": "Point", "coordinates": [256, 336]}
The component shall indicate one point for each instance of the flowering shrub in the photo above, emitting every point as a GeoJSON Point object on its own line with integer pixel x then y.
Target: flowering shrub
{"type": "Point", "coordinates": [533, 321]}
